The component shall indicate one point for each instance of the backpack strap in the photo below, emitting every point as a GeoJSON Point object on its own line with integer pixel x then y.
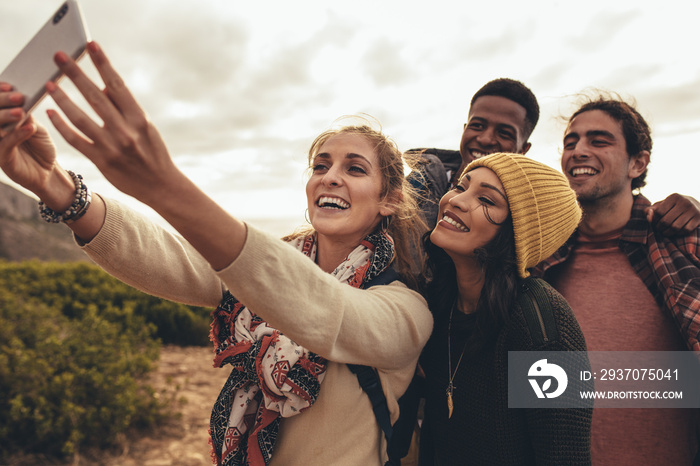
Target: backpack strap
{"type": "Point", "coordinates": [368, 377]}
{"type": "Point", "coordinates": [538, 311]}
{"type": "Point", "coordinates": [370, 383]}
{"type": "Point", "coordinates": [385, 277]}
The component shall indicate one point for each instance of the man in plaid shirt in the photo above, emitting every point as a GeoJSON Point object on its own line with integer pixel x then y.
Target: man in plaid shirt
{"type": "Point", "coordinates": [632, 284]}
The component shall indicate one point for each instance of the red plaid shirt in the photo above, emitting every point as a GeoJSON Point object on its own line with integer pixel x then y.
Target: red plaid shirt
{"type": "Point", "coordinates": [668, 266]}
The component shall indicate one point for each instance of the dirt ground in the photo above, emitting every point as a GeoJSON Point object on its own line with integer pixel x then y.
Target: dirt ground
{"type": "Point", "coordinates": [184, 441]}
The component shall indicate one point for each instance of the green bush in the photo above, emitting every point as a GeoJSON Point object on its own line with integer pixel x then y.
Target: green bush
{"type": "Point", "coordinates": [75, 347]}
{"type": "Point", "coordinates": [74, 288]}
{"type": "Point", "coordinates": [65, 383]}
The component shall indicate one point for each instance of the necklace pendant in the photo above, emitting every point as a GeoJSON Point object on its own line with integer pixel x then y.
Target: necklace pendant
{"type": "Point", "coordinates": [450, 405]}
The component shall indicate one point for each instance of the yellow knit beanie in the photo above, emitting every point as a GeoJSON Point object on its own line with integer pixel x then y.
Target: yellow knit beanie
{"type": "Point", "coordinates": [544, 208]}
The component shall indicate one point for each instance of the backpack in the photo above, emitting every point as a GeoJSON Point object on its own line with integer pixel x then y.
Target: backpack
{"type": "Point", "coordinates": [538, 311]}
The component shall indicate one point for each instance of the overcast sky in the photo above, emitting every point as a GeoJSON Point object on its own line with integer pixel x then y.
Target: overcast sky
{"type": "Point", "coordinates": [240, 89]}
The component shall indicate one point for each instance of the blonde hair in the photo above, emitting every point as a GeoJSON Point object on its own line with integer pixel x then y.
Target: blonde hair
{"type": "Point", "coordinates": [405, 226]}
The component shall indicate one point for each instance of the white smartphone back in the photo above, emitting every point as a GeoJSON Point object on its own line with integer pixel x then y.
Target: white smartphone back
{"type": "Point", "coordinates": [33, 66]}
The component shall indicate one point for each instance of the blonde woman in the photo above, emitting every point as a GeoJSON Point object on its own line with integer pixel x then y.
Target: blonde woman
{"type": "Point", "coordinates": [291, 315]}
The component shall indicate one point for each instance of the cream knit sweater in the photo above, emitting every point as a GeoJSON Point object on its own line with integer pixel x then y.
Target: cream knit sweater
{"type": "Point", "coordinates": [385, 327]}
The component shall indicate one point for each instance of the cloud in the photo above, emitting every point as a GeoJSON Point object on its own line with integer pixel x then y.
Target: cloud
{"type": "Point", "coordinates": [589, 35]}
{"type": "Point", "coordinates": [222, 92]}
{"type": "Point", "coordinates": [384, 64]}
{"type": "Point", "coordinates": [673, 110]}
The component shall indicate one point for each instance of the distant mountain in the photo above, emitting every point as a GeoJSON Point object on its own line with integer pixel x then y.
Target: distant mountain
{"type": "Point", "coordinates": [24, 235]}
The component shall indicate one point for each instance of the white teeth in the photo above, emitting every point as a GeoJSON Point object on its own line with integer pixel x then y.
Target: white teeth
{"type": "Point", "coordinates": [478, 155]}
{"type": "Point", "coordinates": [583, 171]}
{"type": "Point", "coordinates": [333, 203]}
{"type": "Point", "coordinates": [454, 223]}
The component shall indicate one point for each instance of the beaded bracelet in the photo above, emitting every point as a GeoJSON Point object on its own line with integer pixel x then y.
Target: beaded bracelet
{"type": "Point", "coordinates": [77, 209]}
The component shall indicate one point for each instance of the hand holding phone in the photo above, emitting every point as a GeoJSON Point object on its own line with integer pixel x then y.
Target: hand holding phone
{"type": "Point", "coordinates": [33, 66]}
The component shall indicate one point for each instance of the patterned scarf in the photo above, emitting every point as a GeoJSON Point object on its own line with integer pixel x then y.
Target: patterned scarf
{"type": "Point", "coordinates": [272, 376]}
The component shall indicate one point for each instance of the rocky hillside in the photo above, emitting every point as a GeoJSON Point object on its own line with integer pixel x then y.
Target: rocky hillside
{"type": "Point", "coordinates": [24, 235]}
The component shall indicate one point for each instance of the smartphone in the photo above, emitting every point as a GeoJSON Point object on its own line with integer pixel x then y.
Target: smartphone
{"type": "Point", "coordinates": [33, 66]}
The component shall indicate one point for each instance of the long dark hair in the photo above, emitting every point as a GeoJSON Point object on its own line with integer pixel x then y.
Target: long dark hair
{"type": "Point", "coordinates": [498, 295]}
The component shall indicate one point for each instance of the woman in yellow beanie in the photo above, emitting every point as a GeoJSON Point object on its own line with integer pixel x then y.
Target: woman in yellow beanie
{"type": "Point", "coordinates": [506, 214]}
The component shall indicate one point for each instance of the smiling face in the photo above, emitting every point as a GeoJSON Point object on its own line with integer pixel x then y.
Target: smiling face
{"type": "Point", "coordinates": [595, 158]}
{"type": "Point", "coordinates": [471, 214]}
{"type": "Point", "coordinates": [496, 124]}
{"type": "Point", "coordinates": [344, 192]}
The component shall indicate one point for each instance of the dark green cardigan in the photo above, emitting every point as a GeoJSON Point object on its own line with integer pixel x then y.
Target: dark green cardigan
{"type": "Point", "coordinates": [483, 430]}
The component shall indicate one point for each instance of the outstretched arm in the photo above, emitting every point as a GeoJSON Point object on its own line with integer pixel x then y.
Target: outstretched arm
{"type": "Point", "coordinates": [126, 148]}
{"type": "Point", "coordinates": [131, 154]}
{"type": "Point", "coordinates": [675, 215]}
{"type": "Point", "coordinates": [140, 253]}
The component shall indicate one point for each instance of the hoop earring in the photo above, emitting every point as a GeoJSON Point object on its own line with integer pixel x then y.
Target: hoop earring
{"type": "Point", "coordinates": [306, 216]}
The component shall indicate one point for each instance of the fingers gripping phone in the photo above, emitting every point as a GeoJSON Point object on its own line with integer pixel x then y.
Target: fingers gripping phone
{"type": "Point", "coordinates": [33, 66]}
